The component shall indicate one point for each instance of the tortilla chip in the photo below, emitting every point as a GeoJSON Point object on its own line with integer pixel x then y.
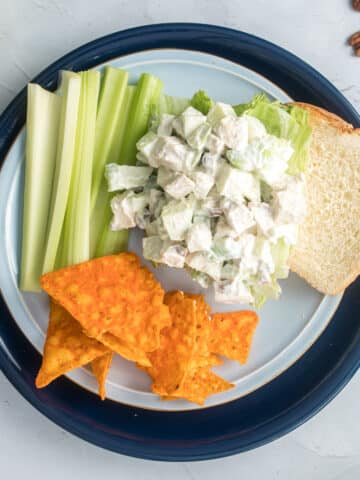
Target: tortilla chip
{"type": "Point", "coordinates": [232, 334]}
{"type": "Point", "coordinates": [171, 362]}
{"type": "Point", "coordinates": [210, 360]}
{"type": "Point", "coordinates": [202, 356]}
{"type": "Point", "coordinates": [199, 385]}
{"type": "Point", "coordinates": [100, 367]}
{"type": "Point", "coordinates": [127, 351]}
{"type": "Point", "coordinates": [112, 294]}
{"type": "Point", "coordinates": [66, 347]}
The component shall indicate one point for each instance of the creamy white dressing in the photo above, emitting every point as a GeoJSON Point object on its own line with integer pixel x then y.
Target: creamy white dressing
{"type": "Point", "coordinates": [216, 199]}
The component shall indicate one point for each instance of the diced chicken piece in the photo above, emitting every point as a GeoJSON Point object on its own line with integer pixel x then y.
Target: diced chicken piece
{"type": "Point", "coordinates": [146, 145]}
{"type": "Point", "coordinates": [289, 204]}
{"type": "Point", "coordinates": [233, 292]}
{"type": "Point", "coordinates": [152, 248]}
{"type": "Point", "coordinates": [214, 144]}
{"type": "Point", "coordinates": [223, 229]}
{"type": "Point", "coordinates": [180, 187]}
{"type": "Point", "coordinates": [125, 207]}
{"type": "Point", "coordinates": [171, 153]}
{"type": "Point", "coordinates": [177, 217]}
{"type": "Point", "coordinates": [239, 217]}
{"type": "Point", "coordinates": [235, 184]}
{"type": "Point", "coordinates": [198, 138]}
{"type": "Point", "coordinates": [218, 112]}
{"type": "Point", "coordinates": [203, 262]}
{"type": "Point", "coordinates": [188, 121]}
{"type": "Point", "coordinates": [165, 127]}
{"type": "Point", "coordinates": [264, 255]}
{"type": "Point", "coordinates": [173, 255]}
{"type": "Point", "coordinates": [212, 163]}
{"type": "Point", "coordinates": [262, 213]}
{"type": "Point", "coordinates": [203, 183]}
{"type": "Point", "coordinates": [233, 131]}
{"type": "Point", "coordinates": [122, 177]}
{"type": "Point", "coordinates": [199, 238]}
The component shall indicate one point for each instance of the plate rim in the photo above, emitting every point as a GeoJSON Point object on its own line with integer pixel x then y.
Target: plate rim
{"type": "Point", "coordinates": [10, 122]}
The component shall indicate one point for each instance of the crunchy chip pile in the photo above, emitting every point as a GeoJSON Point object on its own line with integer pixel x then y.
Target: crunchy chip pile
{"type": "Point", "coordinates": [114, 305]}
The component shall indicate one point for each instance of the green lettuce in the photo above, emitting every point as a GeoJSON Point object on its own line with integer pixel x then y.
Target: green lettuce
{"type": "Point", "coordinates": [201, 101]}
{"type": "Point", "coordinates": [285, 121]}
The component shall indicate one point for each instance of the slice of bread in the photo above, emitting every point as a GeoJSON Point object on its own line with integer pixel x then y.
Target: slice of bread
{"type": "Point", "coordinates": [327, 254]}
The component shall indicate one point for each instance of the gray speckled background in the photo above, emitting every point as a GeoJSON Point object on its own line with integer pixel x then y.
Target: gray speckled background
{"type": "Point", "coordinates": [33, 33]}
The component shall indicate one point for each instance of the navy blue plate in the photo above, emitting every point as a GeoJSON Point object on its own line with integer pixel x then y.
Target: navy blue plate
{"type": "Point", "coordinates": [260, 417]}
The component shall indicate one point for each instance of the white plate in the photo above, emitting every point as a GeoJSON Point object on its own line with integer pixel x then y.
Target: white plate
{"type": "Point", "coordinates": [288, 327]}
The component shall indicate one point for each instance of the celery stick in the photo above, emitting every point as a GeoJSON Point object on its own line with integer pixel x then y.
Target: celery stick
{"type": "Point", "coordinates": [70, 91]}
{"type": "Point", "coordinates": [102, 207]}
{"type": "Point", "coordinates": [111, 242]}
{"type": "Point", "coordinates": [43, 113]}
{"type": "Point", "coordinates": [76, 246]}
{"type": "Point", "coordinates": [110, 105]}
{"type": "Point", "coordinates": [167, 104]}
{"type": "Point", "coordinates": [172, 105]}
{"type": "Point", "coordinates": [146, 94]}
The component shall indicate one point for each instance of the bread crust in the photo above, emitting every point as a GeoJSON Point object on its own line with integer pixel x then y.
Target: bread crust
{"type": "Point", "coordinates": [332, 119]}
{"type": "Point", "coordinates": [317, 115]}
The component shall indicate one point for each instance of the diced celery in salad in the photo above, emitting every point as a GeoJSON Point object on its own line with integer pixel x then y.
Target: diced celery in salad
{"type": "Point", "coordinates": [219, 191]}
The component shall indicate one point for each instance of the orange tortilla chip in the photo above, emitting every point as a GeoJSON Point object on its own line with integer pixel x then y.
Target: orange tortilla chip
{"type": "Point", "coordinates": [100, 367]}
{"type": "Point", "coordinates": [202, 356]}
{"type": "Point", "coordinates": [210, 360]}
{"type": "Point", "coordinates": [66, 347]}
{"type": "Point", "coordinates": [171, 362]}
{"type": "Point", "coordinates": [199, 385]}
{"type": "Point", "coordinates": [127, 351]}
{"type": "Point", "coordinates": [232, 334]}
{"type": "Point", "coordinates": [112, 294]}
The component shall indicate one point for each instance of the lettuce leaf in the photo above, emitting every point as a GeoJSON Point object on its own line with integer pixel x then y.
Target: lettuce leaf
{"type": "Point", "coordinates": [285, 121]}
{"type": "Point", "coordinates": [201, 101]}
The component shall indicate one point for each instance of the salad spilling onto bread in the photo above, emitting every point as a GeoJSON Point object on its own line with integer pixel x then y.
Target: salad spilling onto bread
{"type": "Point", "coordinates": [218, 193]}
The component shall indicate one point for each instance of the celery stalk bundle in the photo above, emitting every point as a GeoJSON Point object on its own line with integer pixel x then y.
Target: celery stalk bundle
{"type": "Point", "coordinates": [71, 135]}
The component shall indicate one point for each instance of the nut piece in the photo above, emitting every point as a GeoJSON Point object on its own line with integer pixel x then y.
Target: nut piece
{"type": "Point", "coordinates": [357, 51]}
{"type": "Point", "coordinates": [355, 37]}
{"type": "Point", "coordinates": [356, 5]}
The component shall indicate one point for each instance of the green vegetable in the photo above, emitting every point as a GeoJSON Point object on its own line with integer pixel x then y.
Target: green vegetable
{"type": "Point", "coordinates": [110, 104]}
{"type": "Point", "coordinates": [280, 253]}
{"type": "Point", "coordinates": [242, 107]}
{"type": "Point", "coordinates": [262, 293]}
{"type": "Point", "coordinates": [122, 177]}
{"type": "Point", "coordinates": [166, 104]}
{"type": "Point", "coordinates": [133, 125]}
{"type": "Point", "coordinates": [43, 113]}
{"type": "Point", "coordinates": [102, 240]}
{"type": "Point", "coordinates": [201, 101]}
{"type": "Point", "coordinates": [70, 91]}
{"type": "Point", "coordinates": [285, 121]}
{"type": "Point", "coordinates": [147, 93]}
{"type": "Point", "coordinates": [76, 246]}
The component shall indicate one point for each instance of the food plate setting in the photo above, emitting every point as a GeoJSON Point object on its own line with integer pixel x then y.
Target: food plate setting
{"type": "Point", "coordinates": [269, 357]}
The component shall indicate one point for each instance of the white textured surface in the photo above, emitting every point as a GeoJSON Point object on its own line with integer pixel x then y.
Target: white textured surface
{"type": "Point", "coordinates": [34, 33]}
